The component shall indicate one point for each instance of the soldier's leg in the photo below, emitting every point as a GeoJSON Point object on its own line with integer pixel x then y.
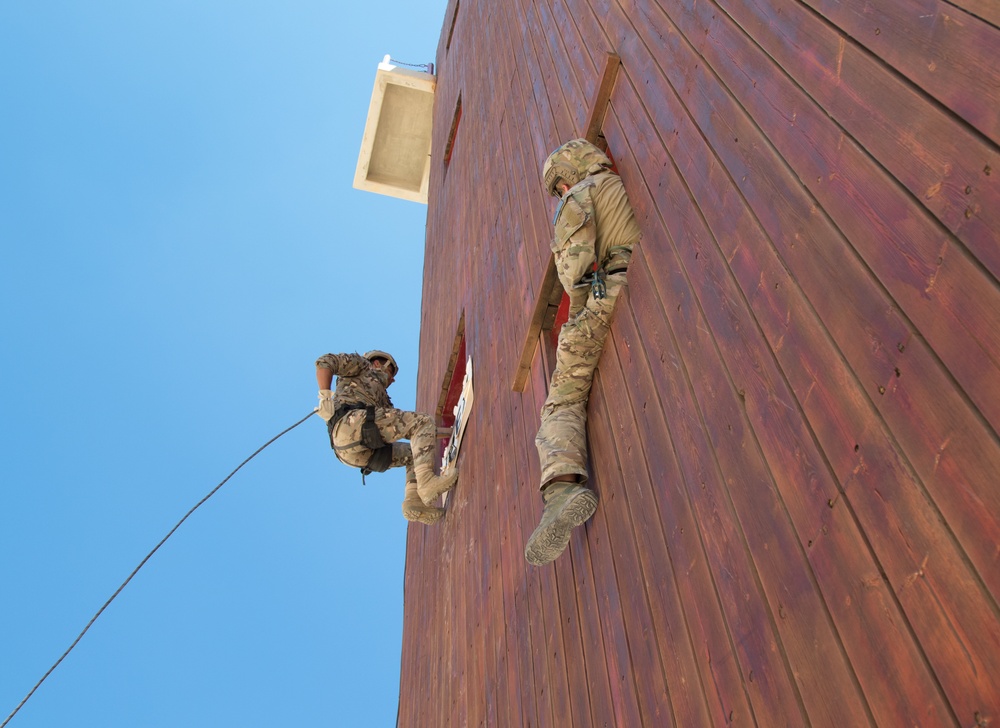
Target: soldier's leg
{"type": "Point", "coordinates": [415, 509]}
{"type": "Point", "coordinates": [421, 431]}
{"type": "Point", "coordinates": [562, 436]}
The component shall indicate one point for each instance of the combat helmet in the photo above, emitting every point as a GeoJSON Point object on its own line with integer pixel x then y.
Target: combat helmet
{"type": "Point", "coordinates": [376, 354]}
{"type": "Point", "coordinates": [571, 163]}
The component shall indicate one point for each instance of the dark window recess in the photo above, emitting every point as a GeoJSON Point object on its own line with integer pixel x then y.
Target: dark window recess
{"type": "Point", "coordinates": [451, 31]}
{"type": "Point", "coordinates": [450, 145]}
{"type": "Point", "coordinates": [446, 414]}
{"type": "Point", "coordinates": [562, 316]}
{"type": "Point", "coordinates": [451, 388]}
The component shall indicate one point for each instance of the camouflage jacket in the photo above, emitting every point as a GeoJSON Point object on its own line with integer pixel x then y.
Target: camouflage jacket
{"type": "Point", "coordinates": [358, 382]}
{"type": "Point", "coordinates": [593, 218]}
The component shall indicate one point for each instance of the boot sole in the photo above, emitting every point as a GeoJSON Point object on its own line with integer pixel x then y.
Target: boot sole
{"type": "Point", "coordinates": [546, 544]}
{"type": "Point", "coordinates": [427, 516]}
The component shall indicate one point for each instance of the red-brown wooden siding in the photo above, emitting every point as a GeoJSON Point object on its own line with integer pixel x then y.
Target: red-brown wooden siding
{"type": "Point", "coordinates": [794, 426]}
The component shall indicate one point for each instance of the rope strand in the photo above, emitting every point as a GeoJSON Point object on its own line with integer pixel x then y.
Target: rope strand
{"type": "Point", "coordinates": [143, 562]}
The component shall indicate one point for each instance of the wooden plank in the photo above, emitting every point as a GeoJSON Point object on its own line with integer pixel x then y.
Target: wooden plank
{"type": "Point", "coordinates": [945, 166]}
{"type": "Point", "coordinates": [689, 619]}
{"type": "Point", "coordinates": [657, 641]}
{"type": "Point", "coordinates": [564, 638]}
{"type": "Point", "coordinates": [494, 651]}
{"type": "Point", "coordinates": [984, 9]}
{"type": "Point", "coordinates": [824, 270]}
{"type": "Point", "coordinates": [772, 693]}
{"type": "Point", "coordinates": [936, 284]}
{"type": "Point", "coordinates": [512, 452]}
{"type": "Point", "coordinates": [745, 635]}
{"type": "Point", "coordinates": [542, 611]}
{"type": "Point", "coordinates": [698, 250]}
{"type": "Point", "coordinates": [611, 476]}
{"type": "Point", "coordinates": [773, 552]}
{"type": "Point", "coordinates": [540, 142]}
{"type": "Point", "coordinates": [609, 612]}
{"type": "Point", "coordinates": [599, 103]}
{"type": "Point", "coordinates": [942, 49]}
{"type": "Point", "coordinates": [555, 669]}
{"type": "Point", "coordinates": [926, 525]}
{"type": "Point", "coordinates": [501, 489]}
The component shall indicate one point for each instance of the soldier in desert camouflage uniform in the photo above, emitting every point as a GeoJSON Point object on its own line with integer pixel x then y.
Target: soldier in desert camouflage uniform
{"type": "Point", "coordinates": [595, 230]}
{"type": "Point", "coordinates": [365, 429]}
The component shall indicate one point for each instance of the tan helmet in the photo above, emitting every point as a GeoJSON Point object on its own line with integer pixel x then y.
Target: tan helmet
{"type": "Point", "coordinates": [376, 354]}
{"type": "Point", "coordinates": [573, 162]}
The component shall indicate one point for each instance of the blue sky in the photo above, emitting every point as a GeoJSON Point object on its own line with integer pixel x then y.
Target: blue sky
{"type": "Point", "coordinates": [180, 240]}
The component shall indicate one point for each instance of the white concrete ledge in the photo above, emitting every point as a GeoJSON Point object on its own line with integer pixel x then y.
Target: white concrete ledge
{"type": "Point", "coordinates": [396, 147]}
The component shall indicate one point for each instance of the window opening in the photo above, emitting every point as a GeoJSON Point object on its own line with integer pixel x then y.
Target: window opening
{"type": "Point", "coordinates": [455, 402]}
{"type": "Point", "coordinates": [451, 31]}
{"type": "Point", "coordinates": [450, 146]}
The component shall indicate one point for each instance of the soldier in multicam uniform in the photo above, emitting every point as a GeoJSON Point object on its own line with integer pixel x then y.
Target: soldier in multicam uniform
{"type": "Point", "coordinates": [595, 230]}
{"type": "Point", "coordinates": [365, 429]}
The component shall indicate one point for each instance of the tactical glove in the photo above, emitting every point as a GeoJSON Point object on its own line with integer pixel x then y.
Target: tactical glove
{"type": "Point", "coordinates": [326, 408]}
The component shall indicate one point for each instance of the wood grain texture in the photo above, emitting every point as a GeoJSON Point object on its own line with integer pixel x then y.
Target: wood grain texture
{"type": "Point", "coordinates": [794, 425]}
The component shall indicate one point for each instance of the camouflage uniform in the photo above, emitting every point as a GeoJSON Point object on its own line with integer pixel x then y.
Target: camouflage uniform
{"type": "Point", "coordinates": [361, 385]}
{"type": "Point", "coordinates": [595, 230]}
{"type": "Point", "coordinates": [594, 224]}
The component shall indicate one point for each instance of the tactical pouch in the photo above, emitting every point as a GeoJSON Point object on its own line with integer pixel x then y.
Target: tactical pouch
{"type": "Point", "coordinates": [380, 461]}
{"type": "Point", "coordinates": [370, 436]}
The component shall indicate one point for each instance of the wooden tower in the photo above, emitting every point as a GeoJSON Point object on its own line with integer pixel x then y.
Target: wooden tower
{"type": "Point", "coordinates": [794, 425]}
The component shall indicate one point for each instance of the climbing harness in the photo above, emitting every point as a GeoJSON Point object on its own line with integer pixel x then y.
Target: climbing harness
{"type": "Point", "coordinates": [381, 457]}
{"type": "Point", "coordinates": [143, 563]}
{"type": "Point", "coordinates": [595, 280]}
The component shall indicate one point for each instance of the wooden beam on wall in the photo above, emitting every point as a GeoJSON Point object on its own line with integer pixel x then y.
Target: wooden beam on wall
{"type": "Point", "coordinates": [599, 104]}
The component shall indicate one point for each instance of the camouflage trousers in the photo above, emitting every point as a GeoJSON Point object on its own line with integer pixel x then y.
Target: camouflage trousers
{"type": "Point", "coordinates": [417, 456]}
{"type": "Point", "coordinates": [562, 436]}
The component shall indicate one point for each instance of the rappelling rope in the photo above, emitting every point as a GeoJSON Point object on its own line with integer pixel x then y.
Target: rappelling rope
{"type": "Point", "coordinates": [143, 562]}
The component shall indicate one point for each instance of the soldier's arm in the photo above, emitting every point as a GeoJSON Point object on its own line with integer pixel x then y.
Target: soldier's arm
{"type": "Point", "coordinates": [574, 245]}
{"type": "Point", "coordinates": [347, 365]}
{"type": "Point", "coordinates": [324, 378]}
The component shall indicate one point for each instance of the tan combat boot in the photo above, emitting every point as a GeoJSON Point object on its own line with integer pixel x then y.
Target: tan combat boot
{"type": "Point", "coordinates": [414, 508]}
{"type": "Point", "coordinates": [567, 505]}
{"type": "Point", "coordinates": [431, 486]}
